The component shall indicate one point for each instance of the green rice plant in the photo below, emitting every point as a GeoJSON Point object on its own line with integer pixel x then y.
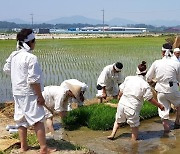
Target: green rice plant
{"type": "Point", "coordinates": [83, 59]}
{"type": "Point", "coordinates": [96, 117]}
{"type": "Point", "coordinates": [148, 110]}
{"type": "Point", "coordinates": [114, 101]}
{"type": "Point", "coordinates": [100, 116]}
{"type": "Point", "coordinates": [77, 118]}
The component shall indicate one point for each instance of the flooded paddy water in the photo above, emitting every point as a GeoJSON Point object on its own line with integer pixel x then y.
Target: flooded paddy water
{"type": "Point", "coordinates": [151, 139]}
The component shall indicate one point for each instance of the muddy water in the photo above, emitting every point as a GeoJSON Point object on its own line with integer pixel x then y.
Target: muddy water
{"type": "Point", "coordinates": [151, 139]}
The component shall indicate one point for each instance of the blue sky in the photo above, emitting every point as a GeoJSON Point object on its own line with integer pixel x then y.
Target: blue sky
{"type": "Point", "coordinates": [136, 10]}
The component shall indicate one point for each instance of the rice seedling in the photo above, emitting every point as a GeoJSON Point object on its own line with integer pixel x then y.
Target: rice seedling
{"type": "Point", "coordinates": [100, 116]}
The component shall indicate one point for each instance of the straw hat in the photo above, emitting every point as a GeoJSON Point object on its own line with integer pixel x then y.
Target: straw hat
{"type": "Point", "coordinates": [75, 89]}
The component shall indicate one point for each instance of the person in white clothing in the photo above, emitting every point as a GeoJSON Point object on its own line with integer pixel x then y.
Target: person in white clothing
{"type": "Point", "coordinates": [57, 99]}
{"type": "Point", "coordinates": [167, 74]}
{"type": "Point", "coordinates": [132, 93]}
{"type": "Point", "coordinates": [26, 78]}
{"type": "Point", "coordinates": [80, 99]}
{"type": "Point", "coordinates": [176, 55]}
{"type": "Point", "coordinates": [109, 80]}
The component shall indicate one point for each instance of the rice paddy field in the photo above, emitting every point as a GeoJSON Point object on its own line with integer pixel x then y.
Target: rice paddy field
{"type": "Point", "coordinates": [83, 59]}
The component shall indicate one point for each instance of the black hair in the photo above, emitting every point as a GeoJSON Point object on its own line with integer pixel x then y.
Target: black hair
{"type": "Point", "coordinates": [167, 46]}
{"type": "Point", "coordinates": [119, 65]}
{"type": "Point", "coordinates": [99, 87]}
{"type": "Point", "coordinates": [142, 67]}
{"type": "Point", "coordinates": [22, 35]}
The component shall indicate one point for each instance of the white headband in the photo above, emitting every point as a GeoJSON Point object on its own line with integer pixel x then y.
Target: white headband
{"type": "Point", "coordinates": [167, 52]}
{"type": "Point", "coordinates": [177, 50]}
{"type": "Point", "coordinates": [30, 37]}
{"type": "Point", "coordinates": [117, 69]}
{"type": "Point", "coordinates": [138, 72]}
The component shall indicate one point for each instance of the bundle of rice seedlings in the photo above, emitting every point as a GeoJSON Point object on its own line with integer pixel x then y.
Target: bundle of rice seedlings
{"type": "Point", "coordinates": [102, 117]}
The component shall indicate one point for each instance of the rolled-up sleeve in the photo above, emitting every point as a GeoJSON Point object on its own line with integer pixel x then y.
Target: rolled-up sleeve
{"type": "Point", "coordinates": [121, 87]}
{"type": "Point", "coordinates": [148, 94]}
{"type": "Point", "coordinates": [102, 78]}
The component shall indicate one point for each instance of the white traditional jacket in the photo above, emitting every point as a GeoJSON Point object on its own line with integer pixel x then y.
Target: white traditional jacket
{"type": "Point", "coordinates": [167, 73]}
{"type": "Point", "coordinates": [24, 69]}
{"type": "Point", "coordinates": [55, 97]}
{"type": "Point", "coordinates": [108, 78]}
{"type": "Point", "coordinates": [135, 90]}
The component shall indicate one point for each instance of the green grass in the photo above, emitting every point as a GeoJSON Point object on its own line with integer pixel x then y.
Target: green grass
{"type": "Point", "coordinates": [58, 144]}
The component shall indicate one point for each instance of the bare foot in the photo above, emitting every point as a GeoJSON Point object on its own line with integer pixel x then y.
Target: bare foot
{"type": "Point", "coordinates": [134, 139]}
{"type": "Point", "coordinates": [166, 133]}
{"type": "Point", "coordinates": [110, 137]}
{"type": "Point", "coordinates": [47, 150]}
{"type": "Point", "coordinates": [51, 150]}
{"type": "Point", "coordinates": [24, 149]}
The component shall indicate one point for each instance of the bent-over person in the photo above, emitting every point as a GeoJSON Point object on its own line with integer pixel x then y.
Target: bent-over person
{"type": "Point", "coordinates": [132, 93]}
{"type": "Point", "coordinates": [109, 80]}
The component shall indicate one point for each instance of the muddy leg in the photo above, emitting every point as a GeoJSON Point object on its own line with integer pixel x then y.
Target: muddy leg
{"type": "Point", "coordinates": [100, 100]}
{"type": "Point", "coordinates": [165, 123]}
{"type": "Point", "coordinates": [177, 121]}
{"type": "Point", "coordinates": [134, 135]}
{"type": "Point", "coordinates": [115, 128]}
{"type": "Point", "coordinates": [49, 124]}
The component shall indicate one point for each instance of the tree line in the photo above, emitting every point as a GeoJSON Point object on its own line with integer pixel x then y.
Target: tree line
{"type": "Point", "coordinates": [8, 26]}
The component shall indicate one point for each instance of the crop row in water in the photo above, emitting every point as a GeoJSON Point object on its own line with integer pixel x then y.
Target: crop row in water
{"type": "Point", "coordinates": [83, 59]}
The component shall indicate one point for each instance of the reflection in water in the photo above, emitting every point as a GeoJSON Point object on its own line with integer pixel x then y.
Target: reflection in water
{"type": "Point", "coordinates": [151, 139]}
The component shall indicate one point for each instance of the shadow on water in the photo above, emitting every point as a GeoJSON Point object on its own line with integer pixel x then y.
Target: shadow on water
{"type": "Point", "coordinates": [151, 139]}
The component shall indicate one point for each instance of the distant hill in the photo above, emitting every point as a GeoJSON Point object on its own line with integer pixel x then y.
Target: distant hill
{"type": "Point", "coordinates": [113, 22]}
{"type": "Point", "coordinates": [74, 20]}
{"type": "Point", "coordinates": [17, 21]}
{"type": "Point", "coordinates": [84, 20]}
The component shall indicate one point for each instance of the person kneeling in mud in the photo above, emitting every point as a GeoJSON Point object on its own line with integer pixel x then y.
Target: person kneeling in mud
{"type": "Point", "coordinates": [132, 93]}
{"type": "Point", "coordinates": [57, 99]}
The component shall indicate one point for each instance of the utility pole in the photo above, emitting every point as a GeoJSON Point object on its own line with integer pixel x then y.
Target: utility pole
{"type": "Point", "coordinates": [103, 19]}
{"type": "Point", "coordinates": [32, 19]}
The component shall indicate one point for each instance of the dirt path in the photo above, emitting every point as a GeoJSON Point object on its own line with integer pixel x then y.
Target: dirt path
{"type": "Point", "coordinates": [6, 141]}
